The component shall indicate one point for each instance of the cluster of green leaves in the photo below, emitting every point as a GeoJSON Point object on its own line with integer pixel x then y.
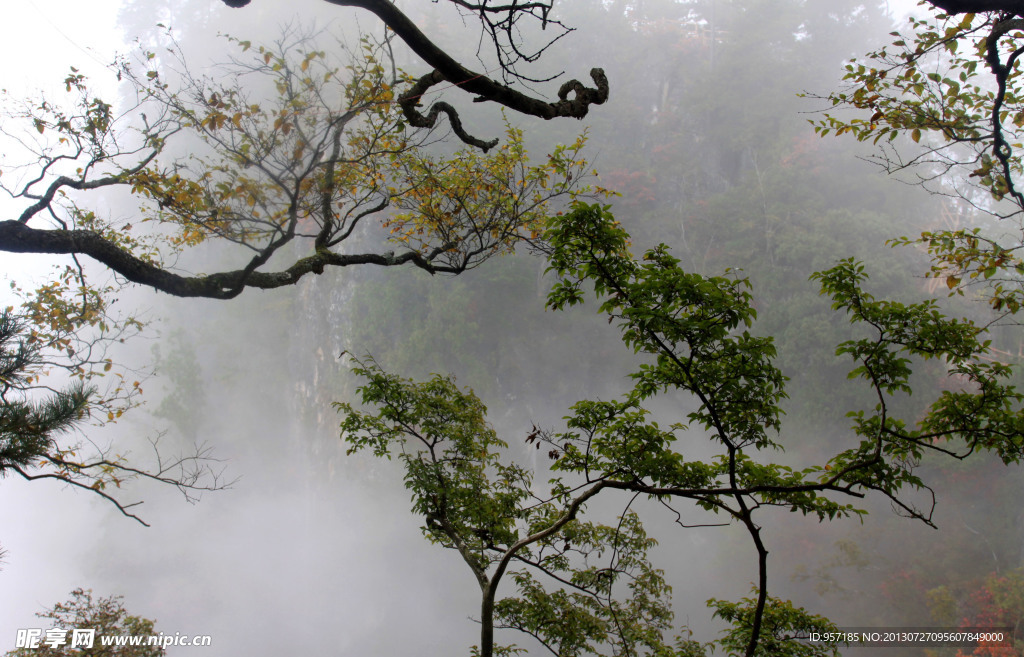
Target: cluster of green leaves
{"type": "Point", "coordinates": [475, 501]}
{"type": "Point", "coordinates": [967, 256]}
{"type": "Point", "coordinates": [785, 629]}
{"type": "Point", "coordinates": [73, 322]}
{"type": "Point", "coordinates": [686, 321]}
{"type": "Point", "coordinates": [86, 128]}
{"type": "Point", "coordinates": [448, 466]}
{"type": "Point", "coordinates": [695, 329]}
{"type": "Point", "coordinates": [583, 613]}
{"type": "Point", "coordinates": [981, 413]}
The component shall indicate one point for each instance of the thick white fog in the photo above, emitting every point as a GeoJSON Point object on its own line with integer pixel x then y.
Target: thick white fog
{"type": "Point", "coordinates": [312, 552]}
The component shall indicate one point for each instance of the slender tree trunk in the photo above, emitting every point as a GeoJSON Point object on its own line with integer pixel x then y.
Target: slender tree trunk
{"type": "Point", "coordinates": [487, 620]}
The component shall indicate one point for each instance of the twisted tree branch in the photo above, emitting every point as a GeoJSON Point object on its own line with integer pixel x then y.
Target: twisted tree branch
{"type": "Point", "coordinates": [447, 69]}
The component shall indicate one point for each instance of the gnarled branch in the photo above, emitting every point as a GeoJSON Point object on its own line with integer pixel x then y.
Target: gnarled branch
{"type": "Point", "coordinates": [447, 69]}
{"type": "Point", "coordinates": [18, 238]}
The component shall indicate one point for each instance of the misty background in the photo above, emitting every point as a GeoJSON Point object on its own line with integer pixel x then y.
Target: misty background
{"type": "Point", "coordinates": [317, 553]}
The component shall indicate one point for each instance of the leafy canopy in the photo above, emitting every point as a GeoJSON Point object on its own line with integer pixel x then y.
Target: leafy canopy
{"type": "Point", "coordinates": [693, 333]}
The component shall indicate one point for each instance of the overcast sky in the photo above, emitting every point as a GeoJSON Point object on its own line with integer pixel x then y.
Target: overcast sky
{"type": "Point", "coordinates": [37, 46]}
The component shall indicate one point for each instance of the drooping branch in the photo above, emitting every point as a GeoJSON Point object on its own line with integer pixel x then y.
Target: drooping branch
{"type": "Point", "coordinates": [18, 238]}
{"type": "Point", "coordinates": [409, 102]}
{"type": "Point", "coordinates": [192, 474]}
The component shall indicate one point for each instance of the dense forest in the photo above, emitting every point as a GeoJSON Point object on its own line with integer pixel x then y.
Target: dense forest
{"type": "Point", "coordinates": [711, 264]}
